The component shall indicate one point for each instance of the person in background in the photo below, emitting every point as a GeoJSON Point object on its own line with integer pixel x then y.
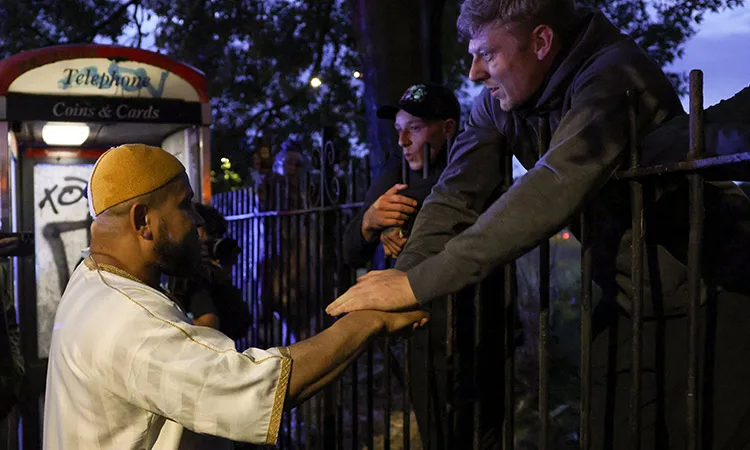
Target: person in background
{"type": "Point", "coordinates": [12, 367]}
{"type": "Point", "coordinates": [210, 297]}
{"type": "Point", "coordinates": [425, 114]}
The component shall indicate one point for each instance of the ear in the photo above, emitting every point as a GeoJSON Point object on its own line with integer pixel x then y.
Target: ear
{"type": "Point", "coordinates": [541, 40]}
{"type": "Point", "coordinates": [449, 127]}
{"type": "Point", "coordinates": [140, 220]}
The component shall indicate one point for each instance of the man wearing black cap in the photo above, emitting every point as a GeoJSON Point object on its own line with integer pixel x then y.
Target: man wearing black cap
{"type": "Point", "coordinates": [425, 114]}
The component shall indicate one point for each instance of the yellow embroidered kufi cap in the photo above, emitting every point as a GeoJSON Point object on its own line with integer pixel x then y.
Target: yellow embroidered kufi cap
{"type": "Point", "coordinates": [128, 171]}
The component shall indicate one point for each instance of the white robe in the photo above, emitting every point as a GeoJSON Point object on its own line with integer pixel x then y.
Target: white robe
{"type": "Point", "coordinates": [127, 370]}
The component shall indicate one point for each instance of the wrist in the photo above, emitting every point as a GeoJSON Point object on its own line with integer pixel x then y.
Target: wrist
{"type": "Point", "coordinates": [369, 320]}
{"type": "Point", "coordinates": [367, 232]}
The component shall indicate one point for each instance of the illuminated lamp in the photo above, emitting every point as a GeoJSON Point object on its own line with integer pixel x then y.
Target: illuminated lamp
{"type": "Point", "coordinates": [65, 133]}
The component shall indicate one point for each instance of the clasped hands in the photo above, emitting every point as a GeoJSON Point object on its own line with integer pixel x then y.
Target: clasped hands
{"type": "Point", "coordinates": [385, 217]}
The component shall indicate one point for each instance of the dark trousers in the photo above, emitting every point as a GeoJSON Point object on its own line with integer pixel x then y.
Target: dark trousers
{"type": "Point", "coordinates": [450, 395]}
{"type": "Point", "coordinates": [724, 377]}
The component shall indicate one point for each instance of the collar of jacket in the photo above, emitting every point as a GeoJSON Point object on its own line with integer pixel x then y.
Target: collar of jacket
{"type": "Point", "coordinates": [593, 33]}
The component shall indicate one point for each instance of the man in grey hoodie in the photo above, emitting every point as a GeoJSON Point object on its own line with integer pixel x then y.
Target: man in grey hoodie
{"type": "Point", "coordinates": [546, 65]}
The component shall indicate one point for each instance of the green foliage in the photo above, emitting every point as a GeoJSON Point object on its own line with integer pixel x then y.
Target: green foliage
{"type": "Point", "coordinates": [259, 57]}
{"type": "Point", "coordinates": [31, 24]}
{"type": "Point", "coordinates": [227, 179]}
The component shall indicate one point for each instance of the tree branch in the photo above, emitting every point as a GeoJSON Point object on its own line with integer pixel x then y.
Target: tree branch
{"type": "Point", "coordinates": [199, 5]}
{"type": "Point", "coordinates": [324, 30]}
{"type": "Point", "coordinates": [279, 105]}
{"type": "Point", "coordinates": [138, 25]}
{"type": "Point", "coordinates": [94, 30]}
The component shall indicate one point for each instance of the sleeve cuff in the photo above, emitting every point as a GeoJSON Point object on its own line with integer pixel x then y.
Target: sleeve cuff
{"type": "Point", "coordinates": [282, 385]}
{"type": "Point", "coordinates": [437, 276]}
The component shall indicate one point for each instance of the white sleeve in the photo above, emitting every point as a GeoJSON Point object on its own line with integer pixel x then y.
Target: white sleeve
{"type": "Point", "coordinates": [195, 377]}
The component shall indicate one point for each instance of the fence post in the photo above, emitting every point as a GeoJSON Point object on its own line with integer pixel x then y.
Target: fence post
{"type": "Point", "coordinates": [544, 297]}
{"type": "Point", "coordinates": [510, 335]}
{"type": "Point", "coordinates": [586, 300]}
{"type": "Point", "coordinates": [694, 255]}
{"type": "Point", "coordinates": [637, 235]}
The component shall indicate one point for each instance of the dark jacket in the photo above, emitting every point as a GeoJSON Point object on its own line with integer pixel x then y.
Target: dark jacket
{"type": "Point", "coordinates": [357, 250]}
{"type": "Point", "coordinates": [461, 233]}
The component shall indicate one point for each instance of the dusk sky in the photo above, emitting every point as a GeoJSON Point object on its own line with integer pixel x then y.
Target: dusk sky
{"type": "Point", "coordinates": [721, 49]}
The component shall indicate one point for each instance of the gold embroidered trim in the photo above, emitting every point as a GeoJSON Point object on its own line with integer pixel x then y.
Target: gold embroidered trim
{"type": "Point", "coordinates": [280, 396]}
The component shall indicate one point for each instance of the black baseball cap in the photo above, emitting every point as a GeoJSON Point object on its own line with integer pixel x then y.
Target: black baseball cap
{"type": "Point", "coordinates": [426, 101]}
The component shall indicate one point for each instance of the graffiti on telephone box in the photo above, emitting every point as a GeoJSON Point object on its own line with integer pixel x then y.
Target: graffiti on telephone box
{"type": "Point", "coordinates": [61, 224]}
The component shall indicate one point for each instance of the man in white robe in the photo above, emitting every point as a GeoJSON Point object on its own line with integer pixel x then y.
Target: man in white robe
{"type": "Point", "coordinates": [128, 369]}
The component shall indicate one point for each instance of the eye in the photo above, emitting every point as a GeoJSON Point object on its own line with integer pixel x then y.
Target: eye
{"type": "Point", "coordinates": [415, 128]}
{"type": "Point", "coordinates": [486, 56]}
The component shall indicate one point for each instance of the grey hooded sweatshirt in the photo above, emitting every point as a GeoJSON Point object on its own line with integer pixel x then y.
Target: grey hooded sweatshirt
{"type": "Point", "coordinates": [466, 228]}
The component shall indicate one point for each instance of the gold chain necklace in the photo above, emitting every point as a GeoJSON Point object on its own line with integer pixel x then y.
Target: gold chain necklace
{"type": "Point", "coordinates": [93, 265]}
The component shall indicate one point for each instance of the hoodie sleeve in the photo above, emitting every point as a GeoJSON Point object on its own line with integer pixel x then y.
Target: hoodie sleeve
{"type": "Point", "coordinates": [471, 178]}
{"type": "Point", "coordinates": [584, 152]}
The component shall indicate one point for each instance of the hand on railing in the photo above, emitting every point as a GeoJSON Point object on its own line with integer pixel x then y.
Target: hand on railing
{"type": "Point", "coordinates": [383, 290]}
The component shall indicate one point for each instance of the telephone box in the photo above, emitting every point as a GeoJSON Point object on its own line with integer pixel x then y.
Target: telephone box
{"type": "Point", "coordinates": [61, 107]}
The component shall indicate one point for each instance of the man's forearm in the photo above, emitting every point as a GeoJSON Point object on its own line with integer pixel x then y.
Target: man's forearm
{"type": "Point", "coordinates": [321, 358]}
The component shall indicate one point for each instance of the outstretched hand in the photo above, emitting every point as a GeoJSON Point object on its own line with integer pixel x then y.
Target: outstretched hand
{"type": "Point", "coordinates": [383, 290]}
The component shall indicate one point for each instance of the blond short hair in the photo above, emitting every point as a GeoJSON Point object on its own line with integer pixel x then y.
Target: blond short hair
{"type": "Point", "coordinates": [560, 15]}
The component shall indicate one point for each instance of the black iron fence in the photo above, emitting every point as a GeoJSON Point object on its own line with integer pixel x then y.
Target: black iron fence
{"type": "Point", "coordinates": [290, 230]}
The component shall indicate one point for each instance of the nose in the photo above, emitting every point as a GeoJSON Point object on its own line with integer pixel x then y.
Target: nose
{"type": "Point", "coordinates": [404, 140]}
{"type": "Point", "coordinates": [477, 72]}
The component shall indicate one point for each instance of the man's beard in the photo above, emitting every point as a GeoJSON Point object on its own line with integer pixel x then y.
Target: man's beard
{"type": "Point", "coordinates": [178, 259]}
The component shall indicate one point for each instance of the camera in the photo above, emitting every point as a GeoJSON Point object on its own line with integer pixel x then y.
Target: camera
{"type": "Point", "coordinates": [225, 250]}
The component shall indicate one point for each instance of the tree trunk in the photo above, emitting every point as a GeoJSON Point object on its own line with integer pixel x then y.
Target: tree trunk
{"type": "Point", "coordinates": [399, 42]}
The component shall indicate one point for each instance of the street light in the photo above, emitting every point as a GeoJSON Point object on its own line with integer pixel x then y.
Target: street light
{"type": "Point", "coordinates": [357, 74]}
{"type": "Point", "coordinates": [315, 82]}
